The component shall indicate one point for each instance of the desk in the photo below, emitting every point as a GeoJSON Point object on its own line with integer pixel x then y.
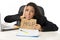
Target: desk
{"type": "Point", "coordinates": [11, 35]}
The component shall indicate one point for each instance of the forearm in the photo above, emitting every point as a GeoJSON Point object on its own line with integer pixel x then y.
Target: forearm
{"type": "Point", "coordinates": [12, 18]}
{"type": "Point", "coordinates": [49, 27]}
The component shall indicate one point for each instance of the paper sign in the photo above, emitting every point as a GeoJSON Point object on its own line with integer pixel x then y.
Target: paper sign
{"type": "Point", "coordinates": [28, 24]}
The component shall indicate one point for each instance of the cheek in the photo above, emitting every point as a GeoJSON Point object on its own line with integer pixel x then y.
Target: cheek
{"type": "Point", "coordinates": [32, 14]}
{"type": "Point", "coordinates": [25, 14]}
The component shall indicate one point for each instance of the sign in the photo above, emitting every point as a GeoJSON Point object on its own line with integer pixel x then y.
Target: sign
{"type": "Point", "coordinates": [27, 24]}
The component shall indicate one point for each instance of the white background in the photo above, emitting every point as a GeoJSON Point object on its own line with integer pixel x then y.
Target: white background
{"type": "Point", "coordinates": [51, 8]}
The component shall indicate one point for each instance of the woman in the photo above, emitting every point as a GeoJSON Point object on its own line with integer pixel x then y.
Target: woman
{"type": "Point", "coordinates": [31, 11]}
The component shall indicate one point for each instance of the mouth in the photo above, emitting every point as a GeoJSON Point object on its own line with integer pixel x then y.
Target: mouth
{"type": "Point", "coordinates": [28, 17]}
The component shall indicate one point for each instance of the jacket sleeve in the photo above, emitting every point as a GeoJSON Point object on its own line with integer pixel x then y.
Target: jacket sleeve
{"type": "Point", "coordinates": [49, 26]}
{"type": "Point", "coordinates": [12, 18]}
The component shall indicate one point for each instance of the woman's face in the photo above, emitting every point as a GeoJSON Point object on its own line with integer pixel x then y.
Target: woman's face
{"type": "Point", "coordinates": [29, 12]}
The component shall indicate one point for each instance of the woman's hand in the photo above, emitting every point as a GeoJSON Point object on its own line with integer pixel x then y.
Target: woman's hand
{"type": "Point", "coordinates": [15, 26]}
{"type": "Point", "coordinates": [37, 27]}
{"type": "Point", "coordinates": [23, 12]}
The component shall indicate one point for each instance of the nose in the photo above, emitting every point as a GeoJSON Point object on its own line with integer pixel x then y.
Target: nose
{"type": "Point", "coordinates": [28, 13]}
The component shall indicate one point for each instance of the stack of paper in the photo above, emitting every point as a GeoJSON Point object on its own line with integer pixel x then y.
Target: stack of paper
{"type": "Point", "coordinates": [28, 32]}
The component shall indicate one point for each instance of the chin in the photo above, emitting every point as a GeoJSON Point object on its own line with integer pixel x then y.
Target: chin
{"type": "Point", "coordinates": [29, 18]}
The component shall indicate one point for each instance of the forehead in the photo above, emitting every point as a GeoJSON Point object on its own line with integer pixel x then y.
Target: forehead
{"type": "Point", "coordinates": [30, 7]}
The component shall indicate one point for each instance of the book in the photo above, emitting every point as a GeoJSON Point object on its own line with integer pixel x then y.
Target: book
{"type": "Point", "coordinates": [28, 33]}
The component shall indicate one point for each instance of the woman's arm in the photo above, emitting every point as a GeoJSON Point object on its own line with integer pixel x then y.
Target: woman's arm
{"type": "Point", "coordinates": [49, 26]}
{"type": "Point", "coordinates": [12, 18]}
{"type": "Point", "coordinates": [46, 25]}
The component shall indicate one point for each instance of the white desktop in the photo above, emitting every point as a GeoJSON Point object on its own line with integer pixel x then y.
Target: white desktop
{"type": "Point", "coordinates": [12, 35]}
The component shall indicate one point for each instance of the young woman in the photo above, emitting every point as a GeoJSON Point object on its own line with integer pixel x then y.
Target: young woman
{"type": "Point", "coordinates": [31, 11]}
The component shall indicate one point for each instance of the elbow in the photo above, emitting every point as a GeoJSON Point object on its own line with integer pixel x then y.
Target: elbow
{"type": "Point", "coordinates": [50, 28]}
{"type": "Point", "coordinates": [56, 28]}
{"type": "Point", "coordinates": [7, 19]}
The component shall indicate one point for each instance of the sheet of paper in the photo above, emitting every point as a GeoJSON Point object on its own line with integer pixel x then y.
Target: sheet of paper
{"type": "Point", "coordinates": [27, 24]}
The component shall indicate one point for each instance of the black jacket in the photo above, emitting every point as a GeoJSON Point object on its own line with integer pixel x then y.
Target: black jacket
{"type": "Point", "coordinates": [46, 25]}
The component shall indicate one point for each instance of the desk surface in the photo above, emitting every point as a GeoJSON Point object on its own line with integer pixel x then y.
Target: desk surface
{"type": "Point", "coordinates": [11, 35]}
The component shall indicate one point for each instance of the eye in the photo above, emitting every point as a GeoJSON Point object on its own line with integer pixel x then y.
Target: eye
{"type": "Point", "coordinates": [26, 10]}
{"type": "Point", "coordinates": [32, 11]}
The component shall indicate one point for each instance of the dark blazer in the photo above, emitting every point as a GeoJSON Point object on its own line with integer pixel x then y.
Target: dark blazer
{"type": "Point", "coordinates": [46, 25]}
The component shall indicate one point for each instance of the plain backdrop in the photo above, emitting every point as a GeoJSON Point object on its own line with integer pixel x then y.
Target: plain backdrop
{"type": "Point", "coordinates": [51, 9]}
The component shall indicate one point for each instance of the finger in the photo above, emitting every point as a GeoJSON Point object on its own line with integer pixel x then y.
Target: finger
{"type": "Point", "coordinates": [24, 10]}
{"type": "Point", "coordinates": [35, 25]}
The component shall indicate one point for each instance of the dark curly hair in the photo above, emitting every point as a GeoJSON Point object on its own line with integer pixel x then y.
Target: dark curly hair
{"type": "Point", "coordinates": [37, 14]}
